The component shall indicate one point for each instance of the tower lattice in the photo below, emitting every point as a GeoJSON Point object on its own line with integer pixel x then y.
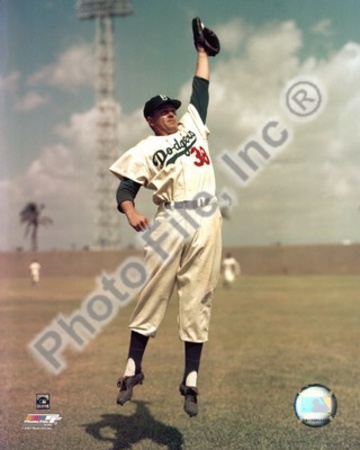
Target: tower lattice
{"type": "Point", "coordinates": [107, 230]}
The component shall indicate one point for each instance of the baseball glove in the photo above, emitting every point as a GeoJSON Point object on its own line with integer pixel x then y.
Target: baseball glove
{"type": "Point", "coordinates": [204, 37]}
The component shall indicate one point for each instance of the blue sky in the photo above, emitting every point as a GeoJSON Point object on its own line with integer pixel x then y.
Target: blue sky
{"type": "Point", "coordinates": [307, 193]}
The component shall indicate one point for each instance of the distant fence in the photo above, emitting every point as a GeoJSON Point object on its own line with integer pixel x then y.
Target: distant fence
{"type": "Point", "coordinates": [300, 260]}
{"type": "Point", "coordinates": [271, 260]}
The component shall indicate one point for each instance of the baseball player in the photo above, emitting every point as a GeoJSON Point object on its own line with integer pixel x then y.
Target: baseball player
{"type": "Point", "coordinates": [230, 270]}
{"type": "Point", "coordinates": [183, 245]}
{"type": "Point", "coordinates": [34, 269]}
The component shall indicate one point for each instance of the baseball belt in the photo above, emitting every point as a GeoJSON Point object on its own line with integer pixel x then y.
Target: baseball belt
{"type": "Point", "coordinates": [189, 204]}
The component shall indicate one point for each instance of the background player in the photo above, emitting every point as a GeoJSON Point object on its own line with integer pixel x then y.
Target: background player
{"type": "Point", "coordinates": [174, 163]}
{"type": "Point", "coordinates": [230, 270]}
{"type": "Point", "coordinates": [34, 269]}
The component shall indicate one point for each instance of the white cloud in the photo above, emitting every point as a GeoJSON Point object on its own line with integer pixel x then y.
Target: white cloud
{"type": "Point", "coordinates": [342, 189]}
{"type": "Point", "coordinates": [323, 28]}
{"type": "Point", "coordinates": [10, 82]}
{"type": "Point", "coordinates": [32, 100]}
{"type": "Point", "coordinates": [232, 35]}
{"type": "Point", "coordinates": [274, 45]}
{"type": "Point", "coordinates": [73, 69]}
{"type": "Point", "coordinates": [80, 130]}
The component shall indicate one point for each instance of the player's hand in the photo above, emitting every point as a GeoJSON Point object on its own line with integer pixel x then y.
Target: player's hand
{"type": "Point", "coordinates": [138, 221]}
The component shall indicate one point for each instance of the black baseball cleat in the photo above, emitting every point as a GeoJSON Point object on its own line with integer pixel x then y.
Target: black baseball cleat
{"type": "Point", "coordinates": [126, 385]}
{"type": "Point", "coordinates": [191, 404]}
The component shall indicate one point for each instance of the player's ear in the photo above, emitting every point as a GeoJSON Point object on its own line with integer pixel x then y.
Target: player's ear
{"type": "Point", "coordinates": [150, 121]}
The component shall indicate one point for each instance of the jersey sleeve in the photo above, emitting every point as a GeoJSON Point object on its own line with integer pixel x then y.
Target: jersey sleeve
{"type": "Point", "coordinates": [127, 190]}
{"type": "Point", "coordinates": [200, 96]}
{"type": "Point", "coordinates": [131, 165]}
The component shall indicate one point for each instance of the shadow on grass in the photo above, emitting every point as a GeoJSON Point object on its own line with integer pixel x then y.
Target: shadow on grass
{"type": "Point", "coordinates": [128, 430]}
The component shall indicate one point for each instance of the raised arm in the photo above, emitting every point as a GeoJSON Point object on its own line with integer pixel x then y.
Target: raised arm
{"type": "Point", "coordinates": [202, 64]}
{"type": "Point", "coordinates": [207, 44]}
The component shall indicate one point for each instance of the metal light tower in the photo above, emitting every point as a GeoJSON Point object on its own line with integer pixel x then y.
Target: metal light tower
{"type": "Point", "coordinates": [107, 230]}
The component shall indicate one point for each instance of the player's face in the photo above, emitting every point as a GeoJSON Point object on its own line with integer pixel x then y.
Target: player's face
{"type": "Point", "coordinates": [164, 120]}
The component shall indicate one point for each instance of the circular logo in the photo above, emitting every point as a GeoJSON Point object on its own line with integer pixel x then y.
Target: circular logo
{"type": "Point", "coordinates": [303, 98]}
{"type": "Point", "coordinates": [315, 405]}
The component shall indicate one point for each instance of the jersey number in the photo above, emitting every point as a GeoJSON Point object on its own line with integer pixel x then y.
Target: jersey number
{"type": "Point", "coordinates": [201, 156]}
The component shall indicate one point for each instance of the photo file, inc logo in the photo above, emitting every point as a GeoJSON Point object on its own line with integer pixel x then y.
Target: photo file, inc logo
{"type": "Point", "coordinates": [40, 421]}
{"type": "Point", "coordinates": [42, 401]}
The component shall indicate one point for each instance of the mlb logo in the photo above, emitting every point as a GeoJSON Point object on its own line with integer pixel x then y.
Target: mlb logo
{"type": "Point", "coordinates": [42, 401]}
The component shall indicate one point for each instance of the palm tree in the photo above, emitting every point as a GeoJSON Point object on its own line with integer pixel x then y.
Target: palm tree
{"type": "Point", "coordinates": [31, 217]}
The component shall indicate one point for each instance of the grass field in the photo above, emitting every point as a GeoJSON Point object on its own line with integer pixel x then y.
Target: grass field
{"type": "Point", "coordinates": [270, 336]}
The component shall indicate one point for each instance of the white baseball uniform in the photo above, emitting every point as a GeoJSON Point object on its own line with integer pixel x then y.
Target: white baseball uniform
{"type": "Point", "coordinates": [183, 245]}
{"type": "Point", "coordinates": [35, 271]}
{"type": "Point", "coordinates": [231, 269]}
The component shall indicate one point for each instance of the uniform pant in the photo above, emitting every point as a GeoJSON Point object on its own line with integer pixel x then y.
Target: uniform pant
{"type": "Point", "coordinates": [183, 251]}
